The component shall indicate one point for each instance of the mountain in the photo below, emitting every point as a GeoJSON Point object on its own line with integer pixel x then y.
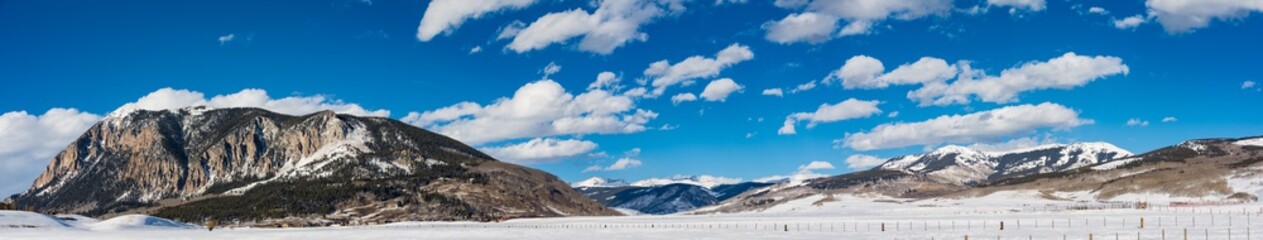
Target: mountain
{"type": "Point", "coordinates": [600, 182]}
{"type": "Point", "coordinates": [944, 171]}
{"type": "Point", "coordinates": [670, 196]}
{"type": "Point", "coordinates": [1197, 171]}
{"type": "Point", "coordinates": [966, 166]}
{"type": "Point", "coordinates": [255, 166]}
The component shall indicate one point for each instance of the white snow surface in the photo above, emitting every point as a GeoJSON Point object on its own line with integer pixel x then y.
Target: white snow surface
{"type": "Point", "coordinates": [11, 220]}
{"type": "Point", "coordinates": [1258, 142]}
{"type": "Point", "coordinates": [1024, 214]}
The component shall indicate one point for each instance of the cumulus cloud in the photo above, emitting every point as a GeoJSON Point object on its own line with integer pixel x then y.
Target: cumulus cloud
{"type": "Point", "coordinates": [1136, 122]}
{"type": "Point", "coordinates": [773, 92]}
{"type": "Point", "coordinates": [1098, 10]}
{"type": "Point", "coordinates": [826, 113]}
{"type": "Point", "coordinates": [1182, 16]}
{"type": "Point", "coordinates": [801, 27]}
{"type": "Point", "coordinates": [861, 161]}
{"type": "Point", "coordinates": [1247, 85]}
{"type": "Point", "coordinates": [537, 109]}
{"type": "Point", "coordinates": [28, 142]}
{"type": "Point", "coordinates": [664, 74]}
{"type": "Point", "coordinates": [1170, 119]}
{"type": "Point", "coordinates": [606, 80]}
{"type": "Point", "coordinates": [1033, 5]}
{"type": "Point", "coordinates": [613, 24]}
{"type": "Point", "coordinates": [550, 69]}
{"type": "Point", "coordinates": [1130, 22]}
{"type": "Point", "coordinates": [1013, 144]}
{"type": "Point", "coordinates": [541, 150]}
{"type": "Point", "coordinates": [866, 72]}
{"type": "Point", "coordinates": [683, 97]}
{"type": "Point", "coordinates": [445, 16]}
{"type": "Point", "coordinates": [1065, 72]}
{"type": "Point", "coordinates": [820, 19]}
{"type": "Point", "coordinates": [985, 126]}
{"type": "Point", "coordinates": [718, 90]}
{"type": "Point", "coordinates": [476, 49]}
{"type": "Point", "coordinates": [168, 99]}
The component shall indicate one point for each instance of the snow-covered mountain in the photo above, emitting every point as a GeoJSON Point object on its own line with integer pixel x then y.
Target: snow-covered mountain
{"type": "Point", "coordinates": [599, 182]}
{"type": "Point", "coordinates": [663, 196]}
{"type": "Point", "coordinates": [230, 163]}
{"type": "Point", "coordinates": [965, 166]}
{"type": "Point", "coordinates": [705, 181]}
{"type": "Point", "coordinates": [1212, 170]}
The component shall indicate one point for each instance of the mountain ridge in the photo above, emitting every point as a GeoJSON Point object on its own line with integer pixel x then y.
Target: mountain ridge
{"type": "Point", "coordinates": [180, 163]}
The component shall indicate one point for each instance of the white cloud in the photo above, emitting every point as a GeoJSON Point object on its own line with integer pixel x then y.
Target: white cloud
{"type": "Point", "coordinates": [226, 38]}
{"type": "Point", "coordinates": [820, 19]}
{"type": "Point", "coordinates": [865, 72]}
{"type": "Point", "coordinates": [622, 164]}
{"type": "Point", "coordinates": [893, 114]}
{"type": "Point", "coordinates": [861, 161]}
{"type": "Point", "coordinates": [444, 16]}
{"type": "Point", "coordinates": [476, 49]}
{"type": "Point", "coordinates": [28, 142]}
{"type": "Point", "coordinates": [552, 68]}
{"type": "Point", "coordinates": [1181, 16]}
{"type": "Point", "coordinates": [1170, 119]}
{"type": "Point", "coordinates": [664, 74]}
{"type": "Point", "coordinates": [1013, 144]}
{"type": "Point", "coordinates": [613, 24]}
{"type": "Point", "coordinates": [605, 80]}
{"type": "Point", "coordinates": [804, 172]}
{"type": "Point", "coordinates": [986, 126]}
{"type": "Point", "coordinates": [683, 97]}
{"type": "Point", "coordinates": [791, 4]}
{"type": "Point", "coordinates": [1064, 72]}
{"type": "Point", "coordinates": [541, 150]}
{"type": "Point", "coordinates": [1247, 85]}
{"type": "Point", "coordinates": [168, 98]}
{"type": "Point", "coordinates": [1033, 5]}
{"type": "Point", "coordinates": [801, 27]}
{"type": "Point", "coordinates": [847, 109]}
{"type": "Point", "coordinates": [1136, 122]}
{"type": "Point", "coordinates": [773, 92]}
{"type": "Point", "coordinates": [537, 109]}
{"type": "Point", "coordinates": [1098, 10]}
{"type": "Point", "coordinates": [803, 87]}
{"type": "Point", "coordinates": [718, 90]}
{"type": "Point", "coordinates": [1130, 22]}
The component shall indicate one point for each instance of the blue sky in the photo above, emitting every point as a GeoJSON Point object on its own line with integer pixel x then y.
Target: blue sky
{"type": "Point", "coordinates": [94, 57]}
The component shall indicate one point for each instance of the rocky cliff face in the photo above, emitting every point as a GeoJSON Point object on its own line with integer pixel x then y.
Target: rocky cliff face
{"type": "Point", "coordinates": [187, 162]}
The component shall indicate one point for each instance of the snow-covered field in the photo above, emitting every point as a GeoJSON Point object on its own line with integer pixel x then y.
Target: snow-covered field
{"type": "Point", "coordinates": [1023, 217]}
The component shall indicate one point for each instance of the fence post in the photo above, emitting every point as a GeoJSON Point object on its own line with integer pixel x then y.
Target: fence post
{"type": "Point", "coordinates": [1142, 223]}
{"type": "Point", "coordinates": [883, 227]}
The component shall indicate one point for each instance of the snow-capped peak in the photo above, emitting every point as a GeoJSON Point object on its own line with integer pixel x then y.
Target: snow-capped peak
{"type": "Point", "coordinates": [705, 181]}
{"type": "Point", "coordinates": [964, 165]}
{"type": "Point", "coordinates": [599, 182]}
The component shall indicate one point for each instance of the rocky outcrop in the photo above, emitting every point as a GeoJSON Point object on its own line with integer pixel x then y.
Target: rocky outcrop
{"type": "Point", "coordinates": [179, 161]}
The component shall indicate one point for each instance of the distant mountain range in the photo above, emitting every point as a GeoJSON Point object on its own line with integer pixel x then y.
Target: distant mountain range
{"type": "Point", "coordinates": [1195, 170]}
{"type": "Point", "coordinates": [254, 166]}
{"type": "Point", "coordinates": [661, 196]}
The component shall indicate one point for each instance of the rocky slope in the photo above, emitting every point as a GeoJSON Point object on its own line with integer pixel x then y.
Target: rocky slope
{"type": "Point", "coordinates": [252, 165]}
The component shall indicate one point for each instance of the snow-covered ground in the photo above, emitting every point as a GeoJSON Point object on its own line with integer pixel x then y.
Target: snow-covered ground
{"type": "Point", "coordinates": [1022, 213]}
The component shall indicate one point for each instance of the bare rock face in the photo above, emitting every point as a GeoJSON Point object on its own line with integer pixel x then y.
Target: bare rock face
{"type": "Point", "coordinates": [255, 166]}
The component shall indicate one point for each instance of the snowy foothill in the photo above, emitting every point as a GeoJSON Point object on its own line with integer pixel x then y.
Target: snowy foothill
{"type": "Point", "coordinates": [1004, 215]}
